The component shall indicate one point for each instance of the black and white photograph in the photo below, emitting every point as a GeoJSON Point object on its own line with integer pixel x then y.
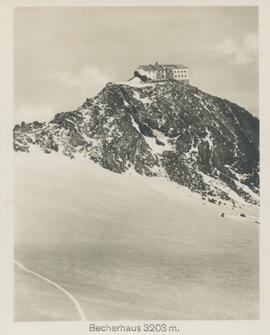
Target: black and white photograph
{"type": "Point", "coordinates": [136, 145]}
{"type": "Point", "coordinates": [134, 167]}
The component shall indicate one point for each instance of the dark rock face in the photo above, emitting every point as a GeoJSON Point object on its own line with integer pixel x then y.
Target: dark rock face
{"type": "Point", "coordinates": [164, 129]}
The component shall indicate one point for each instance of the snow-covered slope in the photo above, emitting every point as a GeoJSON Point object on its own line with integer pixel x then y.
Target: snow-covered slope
{"type": "Point", "coordinates": [127, 246]}
{"type": "Point", "coordinates": [159, 129]}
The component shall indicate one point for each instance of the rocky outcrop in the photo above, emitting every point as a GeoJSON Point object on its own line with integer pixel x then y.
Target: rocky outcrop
{"type": "Point", "coordinates": [159, 129]}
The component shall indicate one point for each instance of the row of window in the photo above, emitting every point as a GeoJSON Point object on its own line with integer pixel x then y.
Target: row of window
{"type": "Point", "coordinates": [175, 71]}
{"type": "Point", "coordinates": [180, 76]}
{"type": "Point", "coordinates": [182, 71]}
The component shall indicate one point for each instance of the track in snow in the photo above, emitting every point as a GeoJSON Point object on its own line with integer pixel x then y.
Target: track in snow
{"type": "Point", "coordinates": [68, 294]}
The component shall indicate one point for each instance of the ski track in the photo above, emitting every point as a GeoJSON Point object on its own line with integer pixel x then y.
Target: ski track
{"type": "Point", "coordinates": [68, 294]}
{"type": "Point", "coordinates": [247, 217]}
{"type": "Point", "coordinates": [179, 295]}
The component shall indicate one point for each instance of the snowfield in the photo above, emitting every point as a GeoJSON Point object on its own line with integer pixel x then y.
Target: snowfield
{"type": "Point", "coordinates": [125, 246]}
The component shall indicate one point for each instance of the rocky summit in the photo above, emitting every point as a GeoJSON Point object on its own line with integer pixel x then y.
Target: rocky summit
{"type": "Point", "coordinates": [166, 129]}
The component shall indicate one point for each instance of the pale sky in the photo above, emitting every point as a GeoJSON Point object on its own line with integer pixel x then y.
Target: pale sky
{"type": "Point", "coordinates": [64, 55]}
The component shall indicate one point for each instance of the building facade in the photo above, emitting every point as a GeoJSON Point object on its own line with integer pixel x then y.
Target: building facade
{"type": "Point", "coordinates": [164, 72]}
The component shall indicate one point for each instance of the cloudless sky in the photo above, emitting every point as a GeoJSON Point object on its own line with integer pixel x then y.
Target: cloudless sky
{"type": "Point", "coordinates": [64, 55]}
